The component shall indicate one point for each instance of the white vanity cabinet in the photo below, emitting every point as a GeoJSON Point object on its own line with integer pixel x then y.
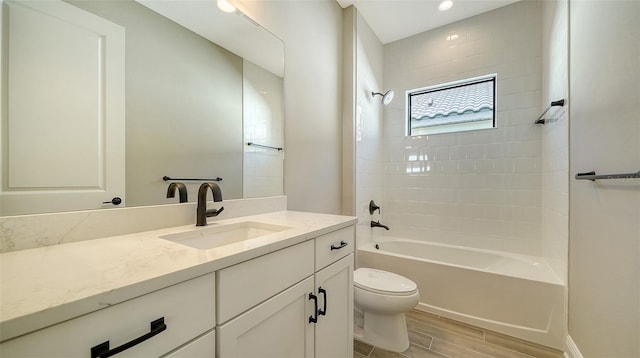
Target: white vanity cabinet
{"type": "Point", "coordinates": [334, 287]}
{"type": "Point", "coordinates": [310, 314]}
{"type": "Point", "coordinates": [296, 301]}
{"type": "Point", "coordinates": [204, 346]}
{"type": "Point", "coordinates": [248, 283]}
{"type": "Point", "coordinates": [334, 329]}
{"type": "Point", "coordinates": [276, 328]}
{"type": "Point", "coordinates": [186, 310]}
{"type": "Point", "coordinates": [277, 286]}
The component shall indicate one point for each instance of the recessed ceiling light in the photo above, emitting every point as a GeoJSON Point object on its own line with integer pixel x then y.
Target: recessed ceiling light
{"type": "Point", "coordinates": [445, 5]}
{"type": "Point", "coordinates": [225, 6]}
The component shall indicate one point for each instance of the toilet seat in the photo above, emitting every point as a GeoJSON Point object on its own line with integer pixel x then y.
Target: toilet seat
{"type": "Point", "coordinates": [383, 282]}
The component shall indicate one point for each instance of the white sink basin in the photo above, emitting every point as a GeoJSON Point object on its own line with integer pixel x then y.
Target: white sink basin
{"type": "Point", "coordinates": [215, 236]}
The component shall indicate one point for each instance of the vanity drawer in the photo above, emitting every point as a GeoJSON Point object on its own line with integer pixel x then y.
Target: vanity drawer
{"type": "Point", "coordinates": [204, 346]}
{"type": "Point", "coordinates": [246, 284]}
{"type": "Point", "coordinates": [333, 246]}
{"type": "Point", "coordinates": [187, 309]}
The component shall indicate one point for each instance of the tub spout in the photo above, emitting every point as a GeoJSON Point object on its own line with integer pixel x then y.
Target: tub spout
{"type": "Point", "coordinates": [377, 224]}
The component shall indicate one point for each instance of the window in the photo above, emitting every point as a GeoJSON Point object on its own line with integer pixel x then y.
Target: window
{"type": "Point", "coordinates": [452, 107]}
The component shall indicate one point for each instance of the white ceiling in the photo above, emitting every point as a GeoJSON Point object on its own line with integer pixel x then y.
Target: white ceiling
{"type": "Point", "coordinates": [393, 20]}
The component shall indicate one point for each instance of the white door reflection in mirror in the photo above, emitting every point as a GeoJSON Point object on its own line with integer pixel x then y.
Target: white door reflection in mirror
{"type": "Point", "coordinates": [63, 109]}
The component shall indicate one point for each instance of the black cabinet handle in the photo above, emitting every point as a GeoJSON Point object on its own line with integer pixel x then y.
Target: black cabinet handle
{"type": "Point", "coordinates": [342, 244]}
{"type": "Point", "coordinates": [314, 318]}
{"type": "Point", "coordinates": [323, 311]}
{"type": "Point", "coordinates": [102, 349]}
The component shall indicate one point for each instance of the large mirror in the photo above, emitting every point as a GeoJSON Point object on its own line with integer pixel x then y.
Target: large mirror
{"type": "Point", "coordinates": [106, 99]}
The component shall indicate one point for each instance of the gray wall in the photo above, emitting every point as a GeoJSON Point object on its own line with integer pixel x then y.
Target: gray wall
{"type": "Point", "coordinates": [312, 33]}
{"type": "Point", "coordinates": [604, 239]}
{"type": "Point", "coordinates": [183, 105]}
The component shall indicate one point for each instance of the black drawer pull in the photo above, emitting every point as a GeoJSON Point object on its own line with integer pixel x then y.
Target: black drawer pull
{"type": "Point", "coordinates": [314, 317]}
{"type": "Point", "coordinates": [342, 244]}
{"type": "Point", "coordinates": [323, 311]}
{"type": "Point", "coordinates": [102, 349]}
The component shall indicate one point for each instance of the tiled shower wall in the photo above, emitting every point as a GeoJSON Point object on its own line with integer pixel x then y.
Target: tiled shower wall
{"type": "Point", "coordinates": [482, 188]}
{"type": "Point", "coordinates": [262, 114]}
{"type": "Point", "coordinates": [555, 136]}
{"type": "Point", "coordinates": [368, 128]}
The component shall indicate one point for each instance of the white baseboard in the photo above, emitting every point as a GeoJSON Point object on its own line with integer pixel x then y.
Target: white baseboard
{"type": "Point", "coordinates": [572, 350]}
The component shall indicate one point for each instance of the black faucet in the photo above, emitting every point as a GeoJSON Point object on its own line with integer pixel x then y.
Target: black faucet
{"type": "Point", "coordinates": [182, 190]}
{"type": "Point", "coordinates": [377, 224]}
{"type": "Point", "coordinates": [201, 212]}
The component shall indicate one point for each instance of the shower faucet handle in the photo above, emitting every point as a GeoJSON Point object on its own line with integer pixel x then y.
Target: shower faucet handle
{"type": "Point", "coordinates": [373, 207]}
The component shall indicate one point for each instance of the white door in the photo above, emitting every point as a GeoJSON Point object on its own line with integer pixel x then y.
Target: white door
{"type": "Point", "coordinates": [277, 328]}
{"type": "Point", "coordinates": [62, 135]}
{"type": "Point", "coordinates": [334, 329]}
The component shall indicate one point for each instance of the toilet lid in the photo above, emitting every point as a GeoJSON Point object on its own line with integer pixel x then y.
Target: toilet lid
{"type": "Point", "coordinates": [383, 281]}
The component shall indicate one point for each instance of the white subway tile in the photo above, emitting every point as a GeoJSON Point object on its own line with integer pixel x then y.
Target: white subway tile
{"type": "Point", "coordinates": [472, 188]}
{"type": "Point", "coordinates": [466, 166]}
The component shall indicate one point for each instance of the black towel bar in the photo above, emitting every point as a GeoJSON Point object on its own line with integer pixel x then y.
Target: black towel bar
{"type": "Point", "coordinates": [593, 177]}
{"type": "Point", "coordinates": [264, 146]}
{"type": "Point", "coordinates": [166, 178]}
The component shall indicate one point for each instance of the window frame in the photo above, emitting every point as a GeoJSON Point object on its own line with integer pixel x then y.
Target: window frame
{"type": "Point", "coordinates": [462, 127]}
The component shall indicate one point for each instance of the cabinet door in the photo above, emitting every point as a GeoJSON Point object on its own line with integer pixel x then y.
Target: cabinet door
{"type": "Point", "coordinates": [276, 328]}
{"type": "Point", "coordinates": [334, 330]}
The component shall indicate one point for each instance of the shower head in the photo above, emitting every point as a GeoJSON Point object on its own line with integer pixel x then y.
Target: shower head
{"type": "Point", "coordinates": [387, 97]}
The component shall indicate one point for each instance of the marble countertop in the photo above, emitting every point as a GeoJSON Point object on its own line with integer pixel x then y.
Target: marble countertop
{"type": "Point", "coordinates": [47, 285]}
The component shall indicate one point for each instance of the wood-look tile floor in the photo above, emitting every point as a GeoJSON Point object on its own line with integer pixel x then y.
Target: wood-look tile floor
{"type": "Point", "coordinates": [433, 336]}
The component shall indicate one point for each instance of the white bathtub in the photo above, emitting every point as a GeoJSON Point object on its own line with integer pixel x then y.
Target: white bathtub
{"type": "Point", "coordinates": [508, 293]}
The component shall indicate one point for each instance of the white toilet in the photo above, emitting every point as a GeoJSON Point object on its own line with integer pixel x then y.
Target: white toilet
{"type": "Point", "coordinates": [381, 299]}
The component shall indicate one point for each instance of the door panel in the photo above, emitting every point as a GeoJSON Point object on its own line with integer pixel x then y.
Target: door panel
{"type": "Point", "coordinates": [63, 109]}
{"type": "Point", "coordinates": [276, 328]}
